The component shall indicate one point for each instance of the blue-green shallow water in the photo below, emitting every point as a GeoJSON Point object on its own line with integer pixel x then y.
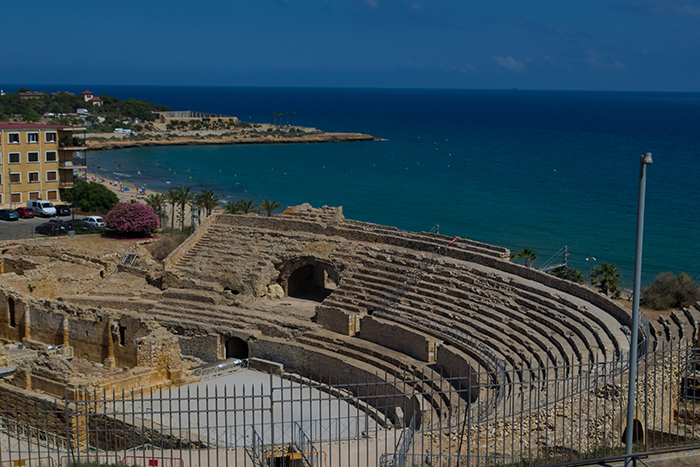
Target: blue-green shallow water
{"type": "Point", "coordinates": [533, 169]}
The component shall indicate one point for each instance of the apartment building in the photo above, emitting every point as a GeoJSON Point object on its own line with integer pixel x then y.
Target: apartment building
{"type": "Point", "coordinates": [38, 161]}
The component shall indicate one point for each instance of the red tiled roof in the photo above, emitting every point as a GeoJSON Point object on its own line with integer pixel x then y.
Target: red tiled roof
{"type": "Point", "coordinates": [31, 126]}
{"type": "Point", "coordinates": [87, 92]}
{"type": "Point", "coordinates": [95, 99]}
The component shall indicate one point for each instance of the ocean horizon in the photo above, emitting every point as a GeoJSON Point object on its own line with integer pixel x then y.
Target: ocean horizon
{"type": "Point", "coordinates": [516, 168]}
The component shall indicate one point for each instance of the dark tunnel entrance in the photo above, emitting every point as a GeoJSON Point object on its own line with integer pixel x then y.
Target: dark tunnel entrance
{"type": "Point", "coordinates": [310, 282]}
{"type": "Point", "coordinates": [236, 348]}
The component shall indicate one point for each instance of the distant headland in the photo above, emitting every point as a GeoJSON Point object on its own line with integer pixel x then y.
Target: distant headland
{"type": "Point", "coordinates": [111, 123]}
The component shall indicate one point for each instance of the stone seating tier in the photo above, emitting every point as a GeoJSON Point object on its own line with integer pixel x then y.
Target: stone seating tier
{"type": "Point", "coordinates": [599, 322]}
{"type": "Point", "coordinates": [447, 312]}
{"type": "Point", "coordinates": [172, 312]}
{"type": "Point", "coordinates": [425, 381]}
{"type": "Point", "coordinates": [458, 290]}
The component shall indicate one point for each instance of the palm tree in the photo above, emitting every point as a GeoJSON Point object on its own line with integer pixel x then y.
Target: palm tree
{"type": "Point", "coordinates": [157, 202]}
{"type": "Point", "coordinates": [183, 197]}
{"type": "Point", "coordinates": [607, 278]}
{"type": "Point", "coordinates": [232, 208]}
{"type": "Point", "coordinates": [570, 274]}
{"type": "Point", "coordinates": [269, 206]}
{"type": "Point", "coordinates": [208, 200]}
{"type": "Point", "coordinates": [171, 197]}
{"type": "Point", "coordinates": [294, 114]}
{"type": "Point", "coordinates": [247, 206]}
{"type": "Point", "coordinates": [287, 118]}
{"type": "Point", "coordinates": [525, 254]}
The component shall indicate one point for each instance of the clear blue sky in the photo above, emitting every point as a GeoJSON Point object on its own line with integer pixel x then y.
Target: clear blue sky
{"type": "Point", "coordinates": [635, 45]}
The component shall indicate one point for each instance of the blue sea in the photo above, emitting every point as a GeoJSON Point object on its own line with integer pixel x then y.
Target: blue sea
{"type": "Point", "coordinates": [521, 169]}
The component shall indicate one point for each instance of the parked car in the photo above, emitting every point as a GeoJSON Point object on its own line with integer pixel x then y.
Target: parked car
{"type": "Point", "coordinates": [25, 212]}
{"type": "Point", "coordinates": [8, 215]}
{"type": "Point", "coordinates": [61, 226]}
{"type": "Point", "coordinates": [46, 229]}
{"type": "Point", "coordinates": [96, 222]}
{"type": "Point", "coordinates": [62, 210]}
{"type": "Point", "coordinates": [41, 207]}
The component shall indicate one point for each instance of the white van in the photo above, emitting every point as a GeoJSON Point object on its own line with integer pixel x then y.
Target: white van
{"type": "Point", "coordinates": [41, 207]}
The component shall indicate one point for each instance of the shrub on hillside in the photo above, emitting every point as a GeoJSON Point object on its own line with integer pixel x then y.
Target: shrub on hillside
{"type": "Point", "coordinates": [132, 219]}
{"type": "Point", "coordinates": [166, 244]}
{"type": "Point", "coordinates": [671, 291]}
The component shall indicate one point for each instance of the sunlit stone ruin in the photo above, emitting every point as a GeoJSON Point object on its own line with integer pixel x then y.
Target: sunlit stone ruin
{"type": "Point", "coordinates": [306, 294]}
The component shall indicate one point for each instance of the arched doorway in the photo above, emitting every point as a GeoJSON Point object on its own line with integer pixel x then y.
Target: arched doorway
{"type": "Point", "coordinates": [310, 282]}
{"type": "Point", "coordinates": [309, 278]}
{"type": "Point", "coordinates": [236, 348]}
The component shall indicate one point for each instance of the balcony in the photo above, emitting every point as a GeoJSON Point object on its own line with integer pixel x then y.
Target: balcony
{"type": "Point", "coordinates": [63, 184]}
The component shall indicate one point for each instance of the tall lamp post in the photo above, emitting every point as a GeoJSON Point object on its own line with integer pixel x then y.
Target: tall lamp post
{"type": "Point", "coordinates": [644, 160]}
{"type": "Point", "coordinates": [590, 260]}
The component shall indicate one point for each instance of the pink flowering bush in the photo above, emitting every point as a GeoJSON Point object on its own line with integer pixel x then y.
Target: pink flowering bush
{"type": "Point", "coordinates": [132, 219]}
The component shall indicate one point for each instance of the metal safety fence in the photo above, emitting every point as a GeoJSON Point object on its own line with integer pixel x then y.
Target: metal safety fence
{"type": "Point", "coordinates": [251, 419]}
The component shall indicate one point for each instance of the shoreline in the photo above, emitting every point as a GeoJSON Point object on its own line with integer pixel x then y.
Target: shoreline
{"type": "Point", "coordinates": [210, 140]}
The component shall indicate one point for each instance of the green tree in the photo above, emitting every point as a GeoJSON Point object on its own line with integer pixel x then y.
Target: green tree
{"type": "Point", "coordinates": [171, 198]}
{"type": "Point", "coordinates": [30, 116]}
{"type": "Point", "coordinates": [607, 278]}
{"type": "Point", "coordinates": [269, 206]}
{"type": "Point", "coordinates": [572, 274]}
{"type": "Point", "coordinates": [247, 206]}
{"type": "Point", "coordinates": [91, 197]}
{"type": "Point", "coordinates": [670, 290]}
{"type": "Point", "coordinates": [232, 208]}
{"type": "Point", "coordinates": [183, 198]}
{"type": "Point", "coordinates": [157, 202]}
{"type": "Point", "coordinates": [526, 254]}
{"type": "Point", "coordinates": [209, 201]}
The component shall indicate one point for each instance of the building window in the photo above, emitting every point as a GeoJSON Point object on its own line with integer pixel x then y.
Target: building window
{"type": "Point", "coordinates": [13, 138]}
{"type": "Point", "coordinates": [15, 177]}
{"type": "Point", "coordinates": [33, 177]}
{"type": "Point", "coordinates": [1, 201]}
{"type": "Point", "coordinates": [52, 195]}
{"type": "Point", "coordinates": [51, 176]}
{"type": "Point", "coordinates": [0, 184]}
{"type": "Point", "coordinates": [34, 195]}
{"type": "Point", "coordinates": [51, 156]}
{"type": "Point", "coordinates": [16, 198]}
{"type": "Point", "coordinates": [50, 137]}
{"type": "Point", "coordinates": [32, 137]}
{"type": "Point", "coordinates": [33, 157]}
{"type": "Point", "coordinates": [14, 158]}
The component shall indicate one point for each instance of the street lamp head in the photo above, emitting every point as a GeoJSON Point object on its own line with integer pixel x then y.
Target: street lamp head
{"type": "Point", "coordinates": [646, 158]}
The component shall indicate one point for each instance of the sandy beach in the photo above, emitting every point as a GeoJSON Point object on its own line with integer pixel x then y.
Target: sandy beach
{"type": "Point", "coordinates": [134, 194]}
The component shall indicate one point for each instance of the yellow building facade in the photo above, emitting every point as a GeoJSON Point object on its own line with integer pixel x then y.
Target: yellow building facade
{"type": "Point", "coordinates": [38, 161]}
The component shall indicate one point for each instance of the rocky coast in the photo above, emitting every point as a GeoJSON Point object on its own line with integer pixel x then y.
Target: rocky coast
{"type": "Point", "coordinates": [120, 142]}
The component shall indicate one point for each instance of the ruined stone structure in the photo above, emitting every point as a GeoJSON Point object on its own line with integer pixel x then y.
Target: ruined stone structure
{"type": "Point", "coordinates": [311, 291]}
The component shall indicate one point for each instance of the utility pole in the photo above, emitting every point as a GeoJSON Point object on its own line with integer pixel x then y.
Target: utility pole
{"type": "Point", "coordinates": [644, 160]}
{"type": "Point", "coordinates": [590, 260]}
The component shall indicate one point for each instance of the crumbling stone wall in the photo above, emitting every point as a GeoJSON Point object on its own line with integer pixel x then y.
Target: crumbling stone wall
{"type": "Point", "coordinates": [207, 348]}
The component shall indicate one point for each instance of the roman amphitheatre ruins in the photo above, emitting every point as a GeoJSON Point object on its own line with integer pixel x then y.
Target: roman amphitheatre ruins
{"type": "Point", "coordinates": [312, 294]}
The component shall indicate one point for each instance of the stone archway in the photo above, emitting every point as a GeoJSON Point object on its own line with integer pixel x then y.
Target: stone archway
{"type": "Point", "coordinates": [308, 277]}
